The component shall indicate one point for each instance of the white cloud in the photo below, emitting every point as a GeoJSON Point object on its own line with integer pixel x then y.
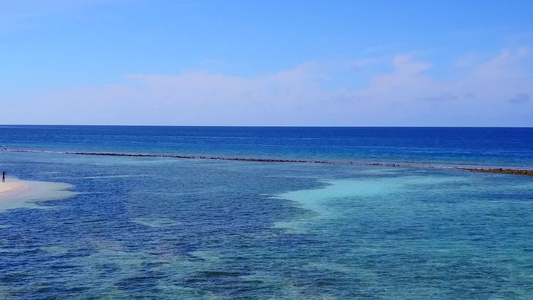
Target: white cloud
{"type": "Point", "coordinates": [491, 94]}
{"type": "Point", "coordinates": [466, 61]}
{"type": "Point", "coordinates": [503, 66]}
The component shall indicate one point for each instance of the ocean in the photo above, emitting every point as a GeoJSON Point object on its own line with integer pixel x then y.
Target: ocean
{"type": "Point", "coordinates": [265, 213]}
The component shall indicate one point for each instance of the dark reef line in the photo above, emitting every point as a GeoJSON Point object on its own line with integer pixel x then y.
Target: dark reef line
{"type": "Point", "coordinates": [523, 172]}
{"type": "Point", "coordinates": [482, 170]}
{"type": "Point", "coordinates": [499, 171]}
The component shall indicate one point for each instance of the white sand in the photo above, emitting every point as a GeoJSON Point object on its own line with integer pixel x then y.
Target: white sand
{"type": "Point", "coordinates": [6, 187]}
{"type": "Point", "coordinates": [17, 193]}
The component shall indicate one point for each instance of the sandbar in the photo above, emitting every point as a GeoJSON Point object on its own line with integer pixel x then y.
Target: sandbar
{"type": "Point", "coordinates": [27, 194]}
{"type": "Point", "coordinates": [6, 187]}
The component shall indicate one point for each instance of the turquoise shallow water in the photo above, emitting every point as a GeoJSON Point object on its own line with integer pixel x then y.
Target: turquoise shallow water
{"type": "Point", "coordinates": [161, 228]}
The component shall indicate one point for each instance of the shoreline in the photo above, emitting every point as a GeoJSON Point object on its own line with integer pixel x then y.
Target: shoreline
{"type": "Point", "coordinates": [8, 187]}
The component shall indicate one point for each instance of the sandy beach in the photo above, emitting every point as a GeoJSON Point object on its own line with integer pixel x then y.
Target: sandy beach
{"type": "Point", "coordinates": [6, 187]}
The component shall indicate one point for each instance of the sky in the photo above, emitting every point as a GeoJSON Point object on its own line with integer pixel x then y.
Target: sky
{"type": "Point", "coordinates": [267, 63]}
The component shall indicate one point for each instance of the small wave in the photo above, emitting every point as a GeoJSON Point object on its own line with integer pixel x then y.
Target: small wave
{"type": "Point", "coordinates": [156, 222]}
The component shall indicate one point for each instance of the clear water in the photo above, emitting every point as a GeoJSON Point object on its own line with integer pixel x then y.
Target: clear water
{"type": "Point", "coordinates": [102, 227]}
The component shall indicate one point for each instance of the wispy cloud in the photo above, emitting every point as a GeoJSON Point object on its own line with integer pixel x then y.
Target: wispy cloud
{"type": "Point", "coordinates": [520, 98]}
{"type": "Point", "coordinates": [407, 95]}
{"type": "Point", "coordinates": [468, 60]}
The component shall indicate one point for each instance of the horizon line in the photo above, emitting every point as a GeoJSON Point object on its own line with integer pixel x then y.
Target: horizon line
{"type": "Point", "coordinates": [261, 126]}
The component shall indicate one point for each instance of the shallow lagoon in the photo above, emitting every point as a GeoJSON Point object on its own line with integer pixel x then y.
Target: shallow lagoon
{"type": "Point", "coordinates": [162, 228]}
{"type": "Point", "coordinates": [175, 229]}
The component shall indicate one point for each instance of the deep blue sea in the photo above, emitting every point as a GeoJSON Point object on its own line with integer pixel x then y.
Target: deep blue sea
{"type": "Point", "coordinates": [126, 227]}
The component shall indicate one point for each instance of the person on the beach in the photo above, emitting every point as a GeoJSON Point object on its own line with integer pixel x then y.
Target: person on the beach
{"type": "Point", "coordinates": [4, 176]}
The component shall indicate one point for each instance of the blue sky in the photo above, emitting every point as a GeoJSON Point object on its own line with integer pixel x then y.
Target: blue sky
{"type": "Point", "coordinates": [281, 63]}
